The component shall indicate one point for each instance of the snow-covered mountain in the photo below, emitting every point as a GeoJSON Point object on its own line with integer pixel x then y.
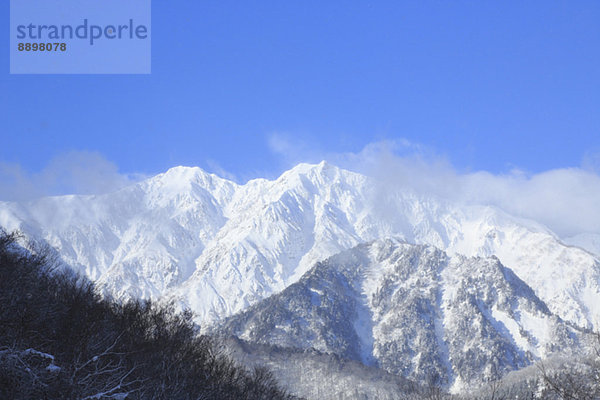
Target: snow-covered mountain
{"type": "Point", "coordinates": [219, 247]}
{"type": "Point", "coordinates": [413, 311]}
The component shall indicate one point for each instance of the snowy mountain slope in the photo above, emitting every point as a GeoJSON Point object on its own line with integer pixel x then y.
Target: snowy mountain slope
{"type": "Point", "coordinates": [411, 310]}
{"type": "Point", "coordinates": [137, 241]}
{"type": "Point", "coordinates": [218, 247]}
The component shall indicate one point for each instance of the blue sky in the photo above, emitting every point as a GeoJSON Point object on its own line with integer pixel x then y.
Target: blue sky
{"type": "Point", "coordinates": [487, 85]}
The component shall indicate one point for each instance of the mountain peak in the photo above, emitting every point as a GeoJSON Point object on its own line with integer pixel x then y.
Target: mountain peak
{"type": "Point", "coordinates": [323, 172]}
{"type": "Point", "coordinates": [185, 173]}
{"type": "Point", "coordinates": [182, 177]}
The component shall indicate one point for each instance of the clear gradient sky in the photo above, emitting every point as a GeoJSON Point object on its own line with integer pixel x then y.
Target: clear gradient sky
{"type": "Point", "coordinates": [489, 84]}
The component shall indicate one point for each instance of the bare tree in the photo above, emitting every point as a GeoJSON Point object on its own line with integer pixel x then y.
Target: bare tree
{"type": "Point", "coordinates": [494, 390]}
{"type": "Point", "coordinates": [575, 380]}
{"type": "Point", "coordinates": [105, 375]}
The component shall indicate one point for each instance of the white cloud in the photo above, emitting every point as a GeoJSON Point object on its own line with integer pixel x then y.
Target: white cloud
{"type": "Point", "coordinates": [567, 200]}
{"type": "Point", "coordinates": [75, 172]}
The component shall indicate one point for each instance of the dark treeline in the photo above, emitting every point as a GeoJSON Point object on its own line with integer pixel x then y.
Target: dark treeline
{"type": "Point", "coordinates": [60, 340]}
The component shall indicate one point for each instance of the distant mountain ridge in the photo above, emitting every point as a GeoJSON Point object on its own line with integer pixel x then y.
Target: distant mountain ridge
{"type": "Point", "coordinates": [218, 247]}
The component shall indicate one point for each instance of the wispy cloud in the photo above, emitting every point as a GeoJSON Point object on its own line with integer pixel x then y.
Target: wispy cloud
{"type": "Point", "coordinates": [218, 170]}
{"type": "Point", "coordinates": [291, 150]}
{"type": "Point", "coordinates": [565, 199]}
{"type": "Point", "coordinates": [75, 172]}
{"type": "Point", "coordinates": [591, 161]}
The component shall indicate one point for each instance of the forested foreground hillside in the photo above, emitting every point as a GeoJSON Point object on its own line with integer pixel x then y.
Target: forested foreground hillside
{"type": "Point", "coordinates": [60, 340]}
